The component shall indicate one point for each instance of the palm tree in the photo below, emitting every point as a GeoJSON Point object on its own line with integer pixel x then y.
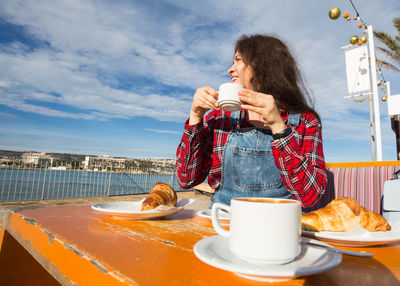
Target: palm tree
{"type": "Point", "coordinates": [392, 49]}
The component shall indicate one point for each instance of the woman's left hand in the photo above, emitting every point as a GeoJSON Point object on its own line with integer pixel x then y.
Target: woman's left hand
{"type": "Point", "coordinates": [265, 106]}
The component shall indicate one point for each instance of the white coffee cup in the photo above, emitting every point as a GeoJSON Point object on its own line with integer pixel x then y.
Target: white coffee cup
{"type": "Point", "coordinates": [228, 96]}
{"type": "Point", "coordinates": [262, 230]}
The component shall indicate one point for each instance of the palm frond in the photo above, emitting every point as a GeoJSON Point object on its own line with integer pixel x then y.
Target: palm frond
{"type": "Point", "coordinates": [388, 41]}
{"type": "Point", "coordinates": [392, 46]}
{"type": "Point", "coordinates": [387, 65]}
{"type": "Point", "coordinates": [390, 54]}
{"type": "Point", "coordinates": [396, 23]}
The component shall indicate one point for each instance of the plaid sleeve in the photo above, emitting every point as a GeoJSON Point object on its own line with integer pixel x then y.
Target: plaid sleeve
{"type": "Point", "coordinates": [192, 161]}
{"type": "Point", "coordinates": [302, 164]}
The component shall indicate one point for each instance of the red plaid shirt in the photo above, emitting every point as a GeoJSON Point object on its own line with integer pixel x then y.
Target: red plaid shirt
{"type": "Point", "coordinates": [301, 165]}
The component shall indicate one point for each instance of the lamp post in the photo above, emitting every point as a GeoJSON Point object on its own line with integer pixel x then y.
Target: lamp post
{"type": "Point", "coordinates": [378, 137]}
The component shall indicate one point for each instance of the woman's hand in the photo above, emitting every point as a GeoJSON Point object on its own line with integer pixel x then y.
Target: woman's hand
{"type": "Point", "coordinates": [264, 105]}
{"type": "Point", "coordinates": [204, 99]}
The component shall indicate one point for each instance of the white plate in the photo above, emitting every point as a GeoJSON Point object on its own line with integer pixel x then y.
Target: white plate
{"type": "Point", "coordinates": [132, 210]}
{"type": "Point", "coordinates": [207, 214]}
{"type": "Point", "coordinates": [358, 237]}
{"type": "Point", "coordinates": [214, 250]}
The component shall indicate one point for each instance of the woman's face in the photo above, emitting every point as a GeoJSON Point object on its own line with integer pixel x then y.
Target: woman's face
{"type": "Point", "coordinates": [240, 72]}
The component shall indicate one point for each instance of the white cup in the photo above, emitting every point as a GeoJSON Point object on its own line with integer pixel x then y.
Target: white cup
{"type": "Point", "coordinates": [228, 96]}
{"type": "Point", "coordinates": [262, 230]}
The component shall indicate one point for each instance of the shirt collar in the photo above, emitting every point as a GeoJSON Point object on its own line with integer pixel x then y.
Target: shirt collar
{"type": "Point", "coordinates": [284, 115]}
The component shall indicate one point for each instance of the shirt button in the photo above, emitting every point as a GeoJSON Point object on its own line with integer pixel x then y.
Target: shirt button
{"type": "Point", "coordinates": [184, 174]}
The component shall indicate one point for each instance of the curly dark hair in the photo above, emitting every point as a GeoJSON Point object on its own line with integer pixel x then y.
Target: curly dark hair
{"type": "Point", "coordinates": [275, 71]}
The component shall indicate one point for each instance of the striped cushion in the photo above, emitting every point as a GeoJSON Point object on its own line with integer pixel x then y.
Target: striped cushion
{"type": "Point", "coordinates": [365, 184]}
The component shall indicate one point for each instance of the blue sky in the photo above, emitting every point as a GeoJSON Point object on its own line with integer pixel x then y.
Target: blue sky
{"type": "Point", "coordinates": [117, 77]}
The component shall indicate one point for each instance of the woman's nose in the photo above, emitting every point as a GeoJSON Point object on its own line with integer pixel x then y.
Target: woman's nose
{"type": "Point", "coordinates": [230, 70]}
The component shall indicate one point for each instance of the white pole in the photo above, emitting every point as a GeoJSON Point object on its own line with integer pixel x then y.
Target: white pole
{"type": "Point", "coordinates": [375, 95]}
{"type": "Point", "coordinates": [388, 88]}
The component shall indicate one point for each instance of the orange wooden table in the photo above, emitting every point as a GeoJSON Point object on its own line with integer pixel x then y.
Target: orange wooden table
{"type": "Point", "coordinates": [73, 245]}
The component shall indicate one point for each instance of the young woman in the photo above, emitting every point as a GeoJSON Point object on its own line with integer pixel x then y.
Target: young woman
{"type": "Point", "coordinates": [272, 147]}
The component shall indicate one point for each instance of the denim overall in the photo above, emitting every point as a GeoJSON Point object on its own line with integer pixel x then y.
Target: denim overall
{"type": "Point", "coordinates": [248, 166]}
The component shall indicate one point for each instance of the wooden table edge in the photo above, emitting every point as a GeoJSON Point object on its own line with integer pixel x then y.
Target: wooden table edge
{"type": "Point", "coordinates": [60, 259]}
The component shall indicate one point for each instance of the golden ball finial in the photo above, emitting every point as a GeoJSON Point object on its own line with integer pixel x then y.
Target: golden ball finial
{"type": "Point", "coordinates": [363, 39]}
{"type": "Point", "coordinates": [334, 13]}
{"type": "Point", "coordinates": [354, 40]}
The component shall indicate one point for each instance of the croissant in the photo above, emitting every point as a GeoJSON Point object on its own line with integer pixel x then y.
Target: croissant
{"type": "Point", "coordinates": [372, 221]}
{"type": "Point", "coordinates": [343, 214]}
{"type": "Point", "coordinates": [161, 194]}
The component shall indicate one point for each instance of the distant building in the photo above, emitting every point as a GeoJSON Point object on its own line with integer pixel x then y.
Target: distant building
{"type": "Point", "coordinates": [99, 163]}
{"type": "Point", "coordinates": [37, 159]}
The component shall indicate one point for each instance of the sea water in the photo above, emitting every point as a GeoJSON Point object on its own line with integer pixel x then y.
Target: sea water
{"type": "Point", "coordinates": [42, 184]}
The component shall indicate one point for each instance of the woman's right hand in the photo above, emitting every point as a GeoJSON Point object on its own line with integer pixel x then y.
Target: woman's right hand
{"type": "Point", "coordinates": [204, 99]}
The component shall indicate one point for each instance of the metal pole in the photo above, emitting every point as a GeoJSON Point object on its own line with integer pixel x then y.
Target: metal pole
{"type": "Point", "coordinates": [109, 182]}
{"type": "Point", "coordinates": [375, 94]}
{"type": "Point", "coordinates": [44, 182]}
{"type": "Point", "coordinates": [4, 183]}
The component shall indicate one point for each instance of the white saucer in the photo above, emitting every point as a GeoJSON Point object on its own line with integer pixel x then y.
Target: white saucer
{"type": "Point", "coordinates": [229, 105]}
{"type": "Point", "coordinates": [228, 100]}
{"type": "Point", "coordinates": [214, 250]}
{"type": "Point", "coordinates": [207, 214]}
{"type": "Point", "coordinates": [132, 210]}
